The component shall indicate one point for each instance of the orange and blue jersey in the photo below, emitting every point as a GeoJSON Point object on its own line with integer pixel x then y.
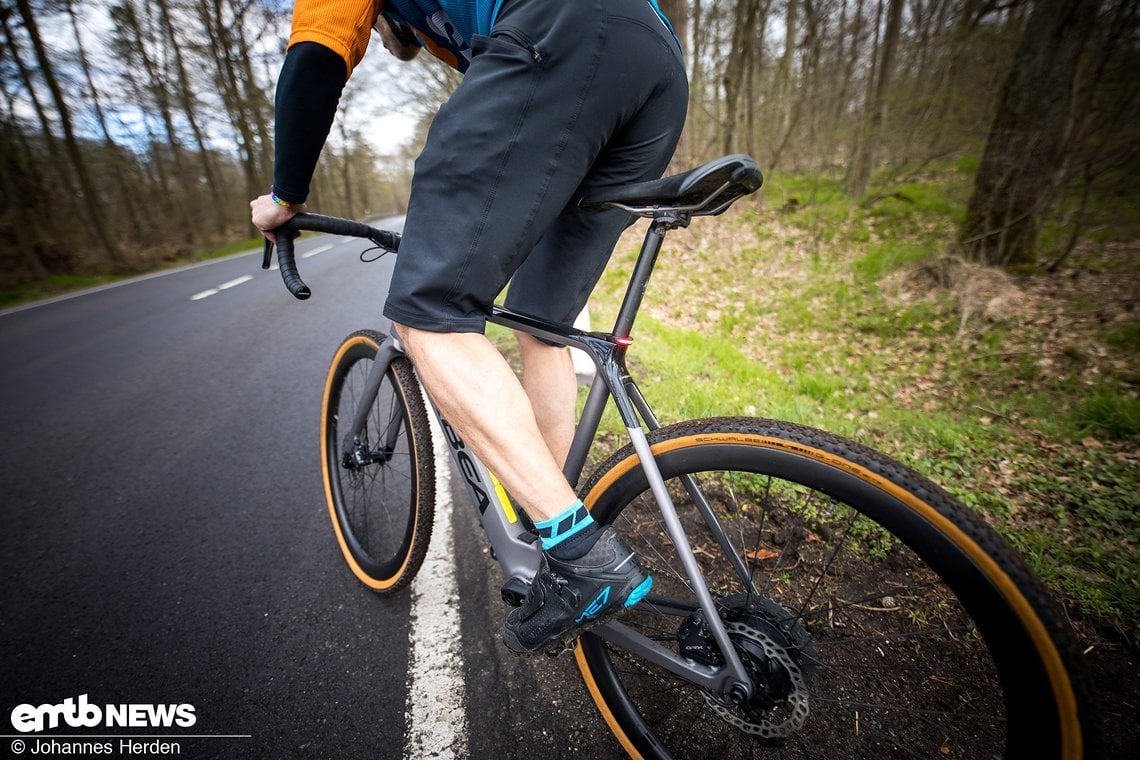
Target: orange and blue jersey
{"type": "Point", "coordinates": [444, 27]}
{"type": "Point", "coordinates": [328, 40]}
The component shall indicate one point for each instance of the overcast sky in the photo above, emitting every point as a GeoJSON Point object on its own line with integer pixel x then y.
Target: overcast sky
{"type": "Point", "coordinates": [376, 110]}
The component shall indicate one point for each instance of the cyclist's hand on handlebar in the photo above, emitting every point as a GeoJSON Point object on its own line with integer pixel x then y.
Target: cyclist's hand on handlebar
{"type": "Point", "coordinates": [267, 215]}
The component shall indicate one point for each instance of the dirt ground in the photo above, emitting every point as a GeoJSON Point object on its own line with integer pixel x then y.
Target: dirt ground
{"type": "Point", "coordinates": [1115, 675]}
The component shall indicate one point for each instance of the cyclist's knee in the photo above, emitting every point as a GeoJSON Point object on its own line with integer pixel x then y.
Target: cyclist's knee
{"type": "Point", "coordinates": [529, 343]}
{"type": "Point", "coordinates": [409, 336]}
{"type": "Point", "coordinates": [417, 339]}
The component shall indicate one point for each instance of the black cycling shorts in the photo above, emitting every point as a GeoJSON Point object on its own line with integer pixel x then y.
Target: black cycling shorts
{"type": "Point", "coordinates": [564, 99]}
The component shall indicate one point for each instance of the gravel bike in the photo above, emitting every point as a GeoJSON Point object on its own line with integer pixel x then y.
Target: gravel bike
{"type": "Point", "coordinates": [812, 597]}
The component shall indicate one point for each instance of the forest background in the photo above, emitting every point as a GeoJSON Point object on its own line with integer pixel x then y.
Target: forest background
{"type": "Point", "coordinates": [947, 239]}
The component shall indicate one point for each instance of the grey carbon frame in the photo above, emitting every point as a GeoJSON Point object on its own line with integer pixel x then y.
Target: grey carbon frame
{"type": "Point", "coordinates": [517, 549]}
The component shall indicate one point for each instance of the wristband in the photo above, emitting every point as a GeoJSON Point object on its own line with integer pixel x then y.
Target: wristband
{"type": "Point", "coordinates": [278, 201]}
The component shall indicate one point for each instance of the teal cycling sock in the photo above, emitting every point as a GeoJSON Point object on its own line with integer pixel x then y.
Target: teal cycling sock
{"type": "Point", "coordinates": [569, 534]}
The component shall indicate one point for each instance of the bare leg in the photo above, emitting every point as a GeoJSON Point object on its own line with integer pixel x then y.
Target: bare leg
{"type": "Point", "coordinates": [552, 387]}
{"type": "Point", "coordinates": [482, 399]}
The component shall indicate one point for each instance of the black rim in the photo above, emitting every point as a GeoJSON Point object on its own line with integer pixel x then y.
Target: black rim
{"type": "Point", "coordinates": [967, 712]}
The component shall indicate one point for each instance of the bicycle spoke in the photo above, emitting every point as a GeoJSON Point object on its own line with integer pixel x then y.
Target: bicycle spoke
{"type": "Point", "coordinates": [377, 497]}
{"type": "Point", "coordinates": [823, 573]}
{"type": "Point", "coordinates": [884, 642]}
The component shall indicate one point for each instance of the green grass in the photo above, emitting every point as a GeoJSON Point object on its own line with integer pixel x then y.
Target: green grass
{"type": "Point", "coordinates": [253, 243]}
{"type": "Point", "coordinates": [55, 285]}
{"type": "Point", "coordinates": [1109, 411]}
{"type": "Point", "coordinates": [50, 286]}
{"type": "Point", "coordinates": [883, 258]}
{"type": "Point", "coordinates": [791, 311]}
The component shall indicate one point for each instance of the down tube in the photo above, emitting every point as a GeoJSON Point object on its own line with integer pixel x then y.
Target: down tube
{"type": "Point", "coordinates": [515, 546]}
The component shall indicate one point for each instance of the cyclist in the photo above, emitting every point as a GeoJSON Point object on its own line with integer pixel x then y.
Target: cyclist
{"type": "Point", "coordinates": [561, 99]}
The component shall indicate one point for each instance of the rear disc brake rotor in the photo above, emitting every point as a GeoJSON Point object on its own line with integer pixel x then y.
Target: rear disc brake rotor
{"type": "Point", "coordinates": [767, 661]}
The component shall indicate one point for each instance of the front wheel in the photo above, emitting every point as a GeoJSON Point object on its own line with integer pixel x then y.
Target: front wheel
{"type": "Point", "coordinates": [875, 614]}
{"type": "Point", "coordinates": [380, 483]}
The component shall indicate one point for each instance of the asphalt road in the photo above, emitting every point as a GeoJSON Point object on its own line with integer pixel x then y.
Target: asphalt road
{"type": "Point", "coordinates": [164, 538]}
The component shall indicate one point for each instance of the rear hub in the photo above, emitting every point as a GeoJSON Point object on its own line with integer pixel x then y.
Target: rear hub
{"type": "Point", "coordinates": [778, 654]}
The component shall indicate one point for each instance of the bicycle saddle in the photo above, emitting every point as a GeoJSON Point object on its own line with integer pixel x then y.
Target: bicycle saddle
{"type": "Point", "coordinates": [706, 190]}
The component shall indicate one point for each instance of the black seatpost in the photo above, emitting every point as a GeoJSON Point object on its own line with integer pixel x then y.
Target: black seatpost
{"type": "Point", "coordinates": [646, 260]}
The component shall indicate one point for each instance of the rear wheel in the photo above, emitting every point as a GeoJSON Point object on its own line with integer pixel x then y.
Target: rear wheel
{"type": "Point", "coordinates": [380, 485]}
{"type": "Point", "coordinates": [876, 615]}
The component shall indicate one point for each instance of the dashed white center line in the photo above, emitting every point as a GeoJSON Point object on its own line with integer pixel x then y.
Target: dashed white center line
{"type": "Point", "coordinates": [236, 281]}
{"type": "Point", "coordinates": [315, 251]}
{"type": "Point", "coordinates": [247, 277]}
{"type": "Point", "coordinates": [224, 286]}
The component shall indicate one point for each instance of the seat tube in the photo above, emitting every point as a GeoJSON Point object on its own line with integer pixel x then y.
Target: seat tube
{"type": "Point", "coordinates": [634, 294]}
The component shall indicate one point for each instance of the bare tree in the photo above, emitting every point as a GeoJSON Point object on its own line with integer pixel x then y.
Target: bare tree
{"type": "Point", "coordinates": [116, 164]}
{"type": "Point", "coordinates": [90, 199]}
{"type": "Point", "coordinates": [19, 215]}
{"type": "Point", "coordinates": [741, 57]}
{"type": "Point", "coordinates": [245, 105]}
{"type": "Point", "coordinates": [864, 163]}
{"type": "Point", "coordinates": [184, 92]}
{"type": "Point", "coordinates": [1019, 176]}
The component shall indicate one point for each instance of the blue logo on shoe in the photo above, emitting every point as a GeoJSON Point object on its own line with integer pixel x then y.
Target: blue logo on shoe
{"type": "Point", "coordinates": [639, 593]}
{"type": "Point", "coordinates": [595, 606]}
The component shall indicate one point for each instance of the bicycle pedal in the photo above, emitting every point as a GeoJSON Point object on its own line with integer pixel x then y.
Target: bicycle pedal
{"type": "Point", "coordinates": [514, 591]}
{"type": "Point", "coordinates": [559, 648]}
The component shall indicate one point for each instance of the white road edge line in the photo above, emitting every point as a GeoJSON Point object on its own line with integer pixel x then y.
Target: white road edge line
{"type": "Point", "coordinates": [383, 223]}
{"type": "Point", "coordinates": [204, 294]}
{"type": "Point", "coordinates": [120, 283]}
{"type": "Point", "coordinates": [437, 704]}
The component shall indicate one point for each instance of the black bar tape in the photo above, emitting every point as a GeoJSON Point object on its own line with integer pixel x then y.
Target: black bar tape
{"type": "Point", "coordinates": [287, 261]}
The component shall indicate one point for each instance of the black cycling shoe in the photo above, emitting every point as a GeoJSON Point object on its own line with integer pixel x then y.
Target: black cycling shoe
{"type": "Point", "coordinates": [567, 596]}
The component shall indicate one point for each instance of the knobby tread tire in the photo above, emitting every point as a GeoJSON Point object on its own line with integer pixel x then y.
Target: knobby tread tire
{"type": "Point", "coordinates": [689, 447]}
{"type": "Point", "coordinates": [403, 379]}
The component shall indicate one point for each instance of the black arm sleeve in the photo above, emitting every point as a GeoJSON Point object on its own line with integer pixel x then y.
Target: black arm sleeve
{"type": "Point", "coordinates": [308, 92]}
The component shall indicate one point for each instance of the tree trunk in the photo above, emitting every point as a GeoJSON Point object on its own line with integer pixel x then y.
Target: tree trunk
{"type": "Point", "coordinates": [186, 102]}
{"type": "Point", "coordinates": [212, 24]}
{"type": "Point", "coordinates": [156, 85]}
{"type": "Point", "coordinates": [739, 59]}
{"type": "Point", "coordinates": [860, 130]}
{"type": "Point", "coordinates": [110, 251]}
{"type": "Point", "coordinates": [1018, 178]}
{"type": "Point", "coordinates": [55, 155]}
{"type": "Point", "coordinates": [258, 107]}
{"type": "Point", "coordinates": [113, 148]}
{"type": "Point", "coordinates": [696, 82]}
{"type": "Point", "coordinates": [876, 108]}
{"type": "Point", "coordinates": [786, 85]}
{"type": "Point", "coordinates": [677, 13]}
{"type": "Point", "coordinates": [14, 191]}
